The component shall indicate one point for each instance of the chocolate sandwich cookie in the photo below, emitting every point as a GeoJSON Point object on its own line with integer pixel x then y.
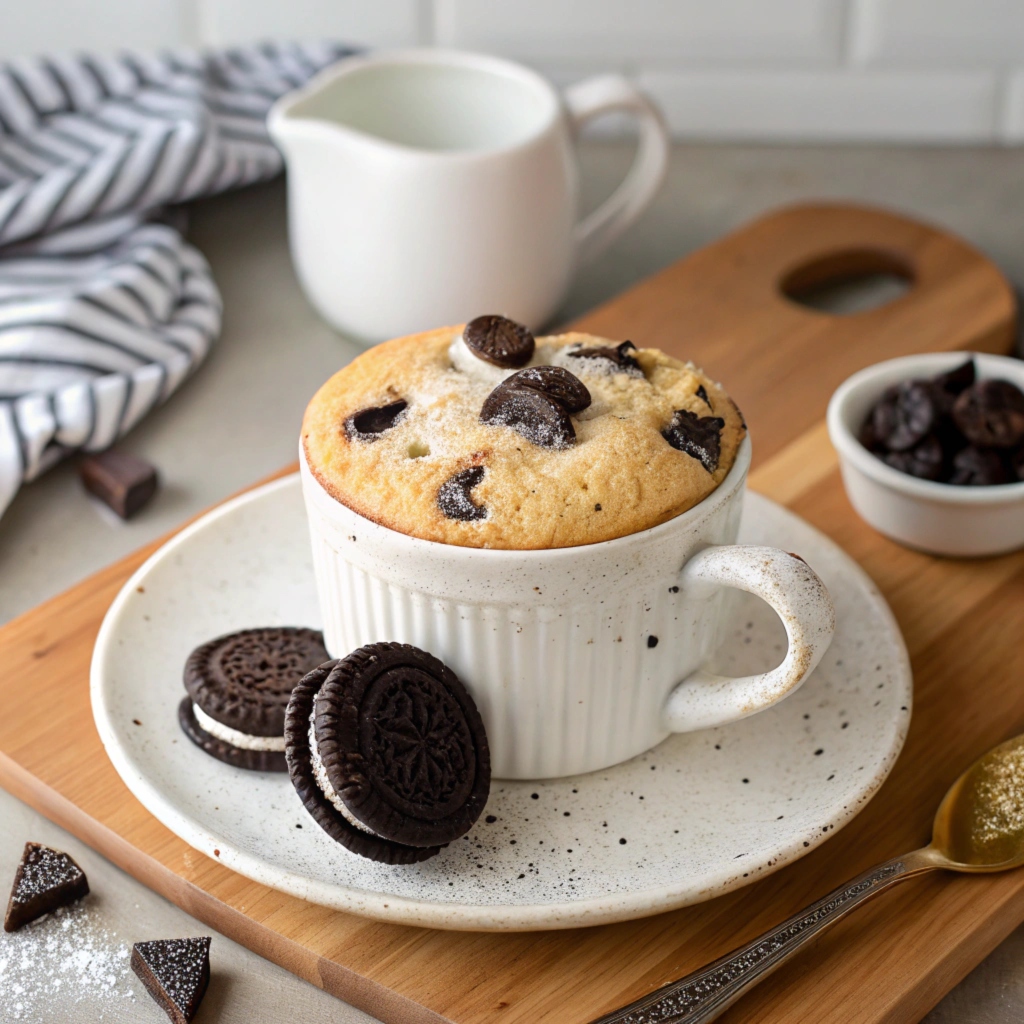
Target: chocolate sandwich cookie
{"type": "Point", "coordinates": [238, 688]}
{"type": "Point", "coordinates": [388, 753]}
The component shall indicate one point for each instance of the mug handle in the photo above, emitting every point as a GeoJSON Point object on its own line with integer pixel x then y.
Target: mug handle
{"type": "Point", "coordinates": [601, 95]}
{"type": "Point", "coordinates": [792, 588]}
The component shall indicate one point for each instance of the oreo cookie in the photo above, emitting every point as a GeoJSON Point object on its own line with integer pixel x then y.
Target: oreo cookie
{"type": "Point", "coordinates": [388, 753]}
{"type": "Point", "coordinates": [238, 689]}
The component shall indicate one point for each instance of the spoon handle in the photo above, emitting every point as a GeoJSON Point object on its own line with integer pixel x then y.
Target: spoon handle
{"type": "Point", "coordinates": [707, 992]}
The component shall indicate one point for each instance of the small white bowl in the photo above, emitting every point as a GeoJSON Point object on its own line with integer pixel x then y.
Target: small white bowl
{"type": "Point", "coordinates": [942, 519]}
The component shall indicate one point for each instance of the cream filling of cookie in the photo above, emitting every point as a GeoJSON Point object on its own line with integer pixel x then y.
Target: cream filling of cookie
{"type": "Point", "coordinates": [320, 774]}
{"type": "Point", "coordinates": [242, 740]}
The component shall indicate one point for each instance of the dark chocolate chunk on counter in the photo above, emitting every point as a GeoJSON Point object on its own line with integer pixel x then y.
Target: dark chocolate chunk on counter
{"type": "Point", "coordinates": [45, 880]}
{"type": "Point", "coordinates": [499, 341]}
{"type": "Point", "coordinates": [535, 415]}
{"type": "Point", "coordinates": [698, 436]}
{"type": "Point", "coordinates": [369, 424]}
{"type": "Point", "coordinates": [176, 973]}
{"type": "Point", "coordinates": [454, 498]}
{"type": "Point", "coordinates": [123, 482]}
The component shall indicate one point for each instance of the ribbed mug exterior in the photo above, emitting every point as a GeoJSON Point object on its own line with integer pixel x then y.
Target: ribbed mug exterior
{"type": "Point", "coordinates": [569, 653]}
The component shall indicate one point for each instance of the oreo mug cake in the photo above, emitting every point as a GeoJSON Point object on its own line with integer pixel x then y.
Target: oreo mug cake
{"type": "Point", "coordinates": [493, 440]}
{"type": "Point", "coordinates": [554, 518]}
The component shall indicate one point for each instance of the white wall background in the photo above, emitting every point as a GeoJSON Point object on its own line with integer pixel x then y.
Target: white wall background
{"type": "Point", "coordinates": [904, 70]}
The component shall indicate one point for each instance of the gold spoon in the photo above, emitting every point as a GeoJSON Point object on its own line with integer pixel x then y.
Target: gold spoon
{"type": "Point", "coordinates": [978, 827]}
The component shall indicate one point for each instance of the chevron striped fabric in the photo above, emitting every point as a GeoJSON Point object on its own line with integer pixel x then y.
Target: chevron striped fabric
{"type": "Point", "coordinates": [104, 308]}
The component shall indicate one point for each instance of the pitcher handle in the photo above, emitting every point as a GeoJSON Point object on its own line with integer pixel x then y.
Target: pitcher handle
{"type": "Point", "coordinates": [792, 588]}
{"type": "Point", "coordinates": [604, 94]}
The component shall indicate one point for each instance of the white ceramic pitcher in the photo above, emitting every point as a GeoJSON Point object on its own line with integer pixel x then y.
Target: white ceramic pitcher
{"type": "Point", "coordinates": [427, 187]}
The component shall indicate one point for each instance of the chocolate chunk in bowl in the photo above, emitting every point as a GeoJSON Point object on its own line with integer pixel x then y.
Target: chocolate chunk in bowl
{"type": "Point", "coordinates": [990, 414]}
{"type": "Point", "coordinates": [951, 428]}
{"type": "Point", "coordinates": [926, 460]}
{"type": "Point", "coordinates": [388, 753]}
{"type": "Point", "coordinates": [1017, 462]}
{"type": "Point", "coordinates": [499, 341]}
{"type": "Point", "coordinates": [969, 502]}
{"type": "Point", "coordinates": [979, 467]}
{"type": "Point", "coordinates": [903, 416]}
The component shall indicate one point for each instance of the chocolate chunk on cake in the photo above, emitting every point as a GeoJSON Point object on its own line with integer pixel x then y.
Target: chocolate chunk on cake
{"type": "Point", "coordinates": [388, 753]}
{"type": "Point", "coordinates": [176, 973]}
{"type": "Point", "coordinates": [499, 341]}
{"type": "Point", "coordinates": [238, 689]}
{"type": "Point", "coordinates": [485, 436]}
{"type": "Point", "coordinates": [45, 880]}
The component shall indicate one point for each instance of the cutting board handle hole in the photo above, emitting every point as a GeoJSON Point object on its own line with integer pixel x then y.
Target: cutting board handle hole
{"type": "Point", "coordinates": [849, 281]}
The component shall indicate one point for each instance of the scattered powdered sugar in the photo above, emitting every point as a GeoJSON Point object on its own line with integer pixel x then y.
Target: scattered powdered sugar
{"type": "Point", "coordinates": [68, 954]}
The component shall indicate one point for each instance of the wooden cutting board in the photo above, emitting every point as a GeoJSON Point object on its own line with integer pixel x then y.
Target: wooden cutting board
{"type": "Point", "coordinates": [963, 621]}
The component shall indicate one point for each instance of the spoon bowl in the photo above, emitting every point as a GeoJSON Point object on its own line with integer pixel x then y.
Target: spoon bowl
{"type": "Point", "coordinates": [979, 826]}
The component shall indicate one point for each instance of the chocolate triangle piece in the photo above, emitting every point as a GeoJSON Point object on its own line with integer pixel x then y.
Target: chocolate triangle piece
{"type": "Point", "coordinates": [175, 973]}
{"type": "Point", "coordinates": [45, 880]}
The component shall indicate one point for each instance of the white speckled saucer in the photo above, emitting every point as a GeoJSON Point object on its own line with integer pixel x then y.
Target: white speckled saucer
{"type": "Point", "coordinates": [699, 815]}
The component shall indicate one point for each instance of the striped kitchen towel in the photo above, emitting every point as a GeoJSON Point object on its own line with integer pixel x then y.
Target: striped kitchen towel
{"type": "Point", "coordinates": [104, 308]}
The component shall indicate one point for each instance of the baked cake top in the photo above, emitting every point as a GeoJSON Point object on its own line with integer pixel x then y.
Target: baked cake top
{"type": "Point", "coordinates": [483, 436]}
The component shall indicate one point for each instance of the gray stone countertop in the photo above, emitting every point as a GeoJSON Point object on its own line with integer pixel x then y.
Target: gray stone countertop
{"type": "Point", "coordinates": [237, 420]}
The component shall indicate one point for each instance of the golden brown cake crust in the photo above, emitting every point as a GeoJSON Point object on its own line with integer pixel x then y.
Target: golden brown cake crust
{"type": "Point", "coordinates": [621, 476]}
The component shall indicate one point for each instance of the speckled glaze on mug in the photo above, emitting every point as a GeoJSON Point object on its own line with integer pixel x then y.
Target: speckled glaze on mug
{"type": "Point", "coordinates": [578, 658]}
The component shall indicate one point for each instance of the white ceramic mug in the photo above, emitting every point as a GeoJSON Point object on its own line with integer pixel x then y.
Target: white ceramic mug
{"type": "Point", "coordinates": [425, 183]}
{"type": "Point", "coordinates": [578, 657]}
